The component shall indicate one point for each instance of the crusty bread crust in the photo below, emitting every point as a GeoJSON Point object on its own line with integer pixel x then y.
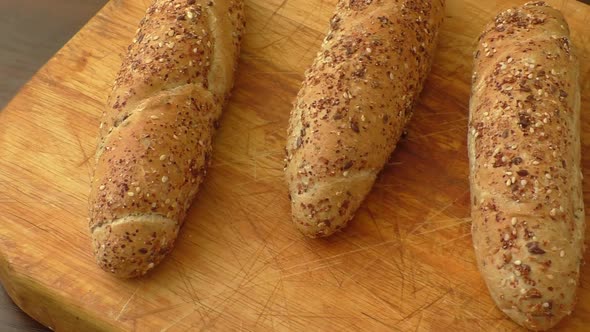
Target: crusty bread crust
{"type": "Point", "coordinates": [524, 151]}
{"type": "Point", "coordinates": [354, 103]}
{"type": "Point", "coordinates": [156, 131]}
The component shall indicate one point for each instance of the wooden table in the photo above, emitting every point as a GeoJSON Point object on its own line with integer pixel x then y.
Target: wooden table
{"type": "Point", "coordinates": [405, 263]}
{"type": "Point", "coordinates": [32, 31]}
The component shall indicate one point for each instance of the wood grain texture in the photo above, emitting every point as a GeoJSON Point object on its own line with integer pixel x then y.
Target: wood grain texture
{"type": "Point", "coordinates": [32, 31]}
{"type": "Point", "coordinates": [12, 319]}
{"type": "Point", "coordinates": [405, 263]}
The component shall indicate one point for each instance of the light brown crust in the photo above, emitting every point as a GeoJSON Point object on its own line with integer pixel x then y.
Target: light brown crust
{"type": "Point", "coordinates": [353, 105]}
{"type": "Point", "coordinates": [524, 149]}
{"type": "Point", "coordinates": [156, 131]}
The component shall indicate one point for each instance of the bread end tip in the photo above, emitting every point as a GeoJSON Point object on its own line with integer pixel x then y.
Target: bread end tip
{"type": "Point", "coordinates": [130, 247]}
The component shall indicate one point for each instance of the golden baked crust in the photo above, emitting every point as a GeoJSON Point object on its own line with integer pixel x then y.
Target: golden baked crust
{"type": "Point", "coordinates": [354, 103]}
{"type": "Point", "coordinates": [524, 151]}
{"type": "Point", "coordinates": [156, 131]}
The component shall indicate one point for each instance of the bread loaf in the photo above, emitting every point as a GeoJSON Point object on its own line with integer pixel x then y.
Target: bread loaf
{"type": "Point", "coordinates": [524, 151]}
{"type": "Point", "coordinates": [156, 131]}
{"type": "Point", "coordinates": [354, 103]}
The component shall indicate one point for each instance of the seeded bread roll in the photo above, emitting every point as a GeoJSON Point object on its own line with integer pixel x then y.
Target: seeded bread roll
{"type": "Point", "coordinates": [156, 131]}
{"type": "Point", "coordinates": [524, 151]}
{"type": "Point", "coordinates": [354, 104]}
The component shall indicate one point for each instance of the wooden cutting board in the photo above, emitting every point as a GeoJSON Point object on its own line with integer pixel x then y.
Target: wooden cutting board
{"type": "Point", "coordinates": [404, 263]}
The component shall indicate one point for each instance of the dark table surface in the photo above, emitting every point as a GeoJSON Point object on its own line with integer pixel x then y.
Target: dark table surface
{"type": "Point", "coordinates": [31, 32]}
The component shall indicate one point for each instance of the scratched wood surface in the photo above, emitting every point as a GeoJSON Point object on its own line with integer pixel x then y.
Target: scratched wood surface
{"type": "Point", "coordinates": [32, 31]}
{"type": "Point", "coordinates": [405, 263]}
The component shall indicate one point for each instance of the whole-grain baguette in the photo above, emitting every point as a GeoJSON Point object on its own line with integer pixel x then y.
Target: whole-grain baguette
{"type": "Point", "coordinates": [156, 131]}
{"type": "Point", "coordinates": [524, 151]}
{"type": "Point", "coordinates": [354, 103]}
